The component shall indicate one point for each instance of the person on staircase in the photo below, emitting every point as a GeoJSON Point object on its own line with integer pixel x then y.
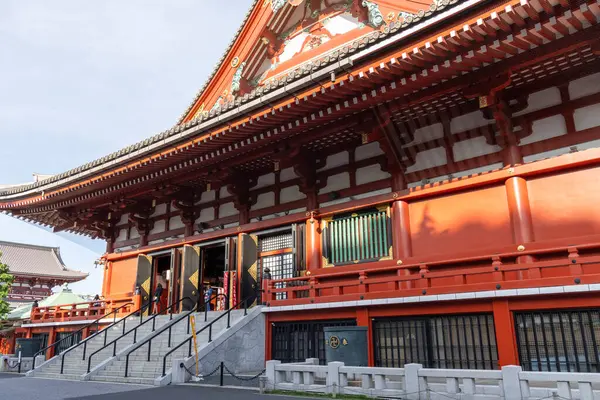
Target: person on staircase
{"type": "Point", "coordinates": [156, 300]}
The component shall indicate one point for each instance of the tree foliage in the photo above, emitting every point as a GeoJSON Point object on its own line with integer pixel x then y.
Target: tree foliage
{"type": "Point", "coordinates": [6, 280]}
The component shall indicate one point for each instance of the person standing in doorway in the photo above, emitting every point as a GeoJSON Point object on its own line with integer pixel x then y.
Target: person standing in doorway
{"type": "Point", "coordinates": [156, 299]}
{"type": "Point", "coordinates": [207, 296]}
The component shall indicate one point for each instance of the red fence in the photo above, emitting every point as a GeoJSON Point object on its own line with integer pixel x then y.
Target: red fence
{"type": "Point", "coordinates": [80, 311]}
{"type": "Point", "coordinates": [552, 266]}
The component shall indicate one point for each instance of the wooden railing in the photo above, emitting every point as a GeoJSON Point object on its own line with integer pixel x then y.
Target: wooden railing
{"type": "Point", "coordinates": [80, 311]}
{"type": "Point", "coordinates": [552, 266]}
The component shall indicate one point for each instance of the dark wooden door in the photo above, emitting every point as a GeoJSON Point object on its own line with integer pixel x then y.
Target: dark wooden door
{"type": "Point", "coordinates": [144, 280]}
{"type": "Point", "coordinates": [249, 269]}
{"type": "Point", "coordinates": [190, 277]}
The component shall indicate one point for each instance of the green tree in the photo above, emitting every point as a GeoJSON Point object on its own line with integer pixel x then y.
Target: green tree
{"type": "Point", "coordinates": [6, 280]}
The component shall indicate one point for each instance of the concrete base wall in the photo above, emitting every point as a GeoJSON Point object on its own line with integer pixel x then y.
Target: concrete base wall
{"type": "Point", "coordinates": [242, 351]}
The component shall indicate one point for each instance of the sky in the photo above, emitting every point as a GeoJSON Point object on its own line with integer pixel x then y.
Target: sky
{"type": "Point", "coordinates": [81, 79]}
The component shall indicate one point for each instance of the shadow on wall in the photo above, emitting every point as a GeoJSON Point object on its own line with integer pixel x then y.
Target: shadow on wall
{"type": "Point", "coordinates": [434, 232]}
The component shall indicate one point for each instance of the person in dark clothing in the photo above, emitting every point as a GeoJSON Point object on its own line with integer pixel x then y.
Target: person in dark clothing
{"type": "Point", "coordinates": [34, 305]}
{"type": "Point", "coordinates": [96, 301]}
{"type": "Point", "coordinates": [156, 299]}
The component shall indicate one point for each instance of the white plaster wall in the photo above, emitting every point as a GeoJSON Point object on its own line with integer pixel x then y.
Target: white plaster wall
{"type": "Point", "coordinates": [223, 192]}
{"type": "Point", "coordinates": [227, 210]}
{"type": "Point", "coordinates": [287, 174]}
{"type": "Point", "coordinates": [371, 194]}
{"type": "Point", "coordinates": [370, 173]}
{"type": "Point", "coordinates": [336, 160]}
{"type": "Point", "coordinates": [176, 223]}
{"type": "Point", "coordinates": [231, 225]}
{"type": "Point", "coordinates": [334, 202]}
{"type": "Point", "coordinates": [584, 86]}
{"type": "Point", "coordinates": [123, 249]}
{"type": "Point", "coordinates": [587, 117]}
{"type": "Point", "coordinates": [206, 214]}
{"type": "Point", "coordinates": [431, 181]}
{"type": "Point", "coordinates": [157, 241]}
{"type": "Point", "coordinates": [337, 182]}
{"type": "Point", "coordinates": [207, 196]}
{"type": "Point", "coordinates": [474, 147]}
{"type": "Point", "coordinates": [264, 200]}
{"type": "Point", "coordinates": [159, 226]}
{"type": "Point", "coordinates": [542, 99]}
{"type": "Point", "coordinates": [477, 171]}
{"type": "Point", "coordinates": [546, 128]}
{"type": "Point", "coordinates": [468, 121]}
{"type": "Point", "coordinates": [134, 233]}
{"type": "Point", "coordinates": [265, 180]}
{"type": "Point", "coordinates": [428, 159]}
{"type": "Point", "coordinates": [124, 219]}
{"type": "Point", "coordinates": [594, 144]}
{"type": "Point", "coordinates": [297, 210]}
{"type": "Point", "coordinates": [122, 235]}
{"type": "Point", "coordinates": [160, 209]}
{"type": "Point", "coordinates": [427, 133]}
{"type": "Point", "coordinates": [547, 154]}
{"type": "Point", "coordinates": [368, 150]}
{"type": "Point", "coordinates": [291, 193]}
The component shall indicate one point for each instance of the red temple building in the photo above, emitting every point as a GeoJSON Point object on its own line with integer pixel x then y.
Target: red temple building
{"type": "Point", "coordinates": [428, 170]}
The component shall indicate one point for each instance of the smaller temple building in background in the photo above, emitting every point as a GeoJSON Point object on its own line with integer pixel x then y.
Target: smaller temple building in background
{"type": "Point", "coordinates": [37, 269]}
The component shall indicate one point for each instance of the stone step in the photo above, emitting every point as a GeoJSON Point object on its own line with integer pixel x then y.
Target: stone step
{"type": "Point", "coordinates": [136, 380]}
{"type": "Point", "coordinates": [58, 376]}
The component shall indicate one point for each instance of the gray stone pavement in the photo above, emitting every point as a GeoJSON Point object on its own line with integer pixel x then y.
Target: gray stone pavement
{"type": "Point", "coordinates": [16, 387]}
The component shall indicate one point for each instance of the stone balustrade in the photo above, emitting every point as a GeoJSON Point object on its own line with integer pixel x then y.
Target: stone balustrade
{"type": "Point", "coordinates": [414, 382]}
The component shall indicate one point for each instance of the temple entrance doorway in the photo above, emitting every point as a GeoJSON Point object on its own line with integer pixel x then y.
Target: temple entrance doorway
{"type": "Point", "coordinates": [213, 266]}
{"type": "Point", "coordinates": [162, 274]}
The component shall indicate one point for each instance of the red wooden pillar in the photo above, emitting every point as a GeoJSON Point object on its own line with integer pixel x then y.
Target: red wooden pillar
{"type": "Point", "coordinates": [268, 333]}
{"type": "Point", "coordinates": [313, 244]}
{"type": "Point", "coordinates": [51, 339]}
{"type": "Point", "coordinates": [401, 230]}
{"type": "Point", "coordinates": [362, 319]}
{"type": "Point", "coordinates": [505, 334]}
{"type": "Point", "coordinates": [520, 213]}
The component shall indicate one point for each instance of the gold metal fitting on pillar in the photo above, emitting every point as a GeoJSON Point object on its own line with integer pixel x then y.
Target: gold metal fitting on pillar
{"type": "Point", "coordinates": [521, 248]}
{"type": "Point", "coordinates": [399, 262]}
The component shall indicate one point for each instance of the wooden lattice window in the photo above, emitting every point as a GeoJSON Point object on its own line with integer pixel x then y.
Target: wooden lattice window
{"type": "Point", "coordinates": [363, 236]}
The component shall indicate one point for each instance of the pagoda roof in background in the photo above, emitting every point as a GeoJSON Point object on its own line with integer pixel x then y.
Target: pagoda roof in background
{"type": "Point", "coordinates": [37, 261]}
{"type": "Point", "coordinates": [274, 88]}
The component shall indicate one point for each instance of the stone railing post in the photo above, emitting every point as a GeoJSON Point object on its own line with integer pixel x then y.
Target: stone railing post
{"type": "Point", "coordinates": [178, 373]}
{"type": "Point", "coordinates": [333, 377]}
{"type": "Point", "coordinates": [511, 382]}
{"type": "Point", "coordinates": [414, 386]}
{"type": "Point", "coordinates": [271, 379]}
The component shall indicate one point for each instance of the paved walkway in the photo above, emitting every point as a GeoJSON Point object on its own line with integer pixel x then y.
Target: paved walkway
{"type": "Point", "coordinates": [18, 387]}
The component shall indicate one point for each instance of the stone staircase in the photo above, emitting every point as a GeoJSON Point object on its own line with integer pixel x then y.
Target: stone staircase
{"type": "Point", "coordinates": [142, 371]}
{"type": "Point", "coordinates": [75, 366]}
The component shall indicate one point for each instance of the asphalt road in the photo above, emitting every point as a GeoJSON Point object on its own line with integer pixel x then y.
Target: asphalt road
{"type": "Point", "coordinates": [15, 387]}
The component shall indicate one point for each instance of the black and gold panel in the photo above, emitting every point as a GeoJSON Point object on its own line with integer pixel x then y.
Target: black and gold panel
{"type": "Point", "coordinates": [143, 279]}
{"type": "Point", "coordinates": [249, 268]}
{"type": "Point", "coordinates": [190, 277]}
{"type": "Point", "coordinates": [362, 236]}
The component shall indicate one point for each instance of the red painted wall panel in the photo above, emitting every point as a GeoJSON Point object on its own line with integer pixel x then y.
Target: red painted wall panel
{"type": "Point", "coordinates": [460, 222]}
{"type": "Point", "coordinates": [565, 205]}
{"type": "Point", "coordinates": [123, 276]}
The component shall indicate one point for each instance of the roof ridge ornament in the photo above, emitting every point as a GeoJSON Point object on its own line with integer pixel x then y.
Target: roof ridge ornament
{"type": "Point", "coordinates": [375, 16]}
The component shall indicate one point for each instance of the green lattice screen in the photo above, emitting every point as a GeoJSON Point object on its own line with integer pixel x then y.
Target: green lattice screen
{"type": "Point", "coordinates": [358, 237]}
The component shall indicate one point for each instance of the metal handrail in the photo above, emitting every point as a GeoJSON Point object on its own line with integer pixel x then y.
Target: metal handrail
{"type": "Point", "coordinates": [169, 328]}
{"type": "Point", "coordinates": [209, 327]}
{"type": "Point", "coordinates": [105, 330]}
{"type": "Point", "coordinates": [96, 321]}
{"type": "Point", "coordinates": [134, 330]}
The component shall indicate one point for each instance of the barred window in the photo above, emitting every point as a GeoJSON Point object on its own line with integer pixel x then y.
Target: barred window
{"type": "Point", "coordinates": [363, 236]}
{"type": "Point", "coordinates": [454, 341]}
{"type": "Point", "coordinates": [276, 253]}
{"type": "Point", "coordinates": [559, 341]}
{"type": "Point", "coordinates": [276, 242]}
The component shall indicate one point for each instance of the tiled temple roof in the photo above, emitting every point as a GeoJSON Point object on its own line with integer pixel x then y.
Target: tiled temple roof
{"type": "Point", "coordinates": [299, 72]}
{"type": "Point", "coordinates": [32, 260]}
